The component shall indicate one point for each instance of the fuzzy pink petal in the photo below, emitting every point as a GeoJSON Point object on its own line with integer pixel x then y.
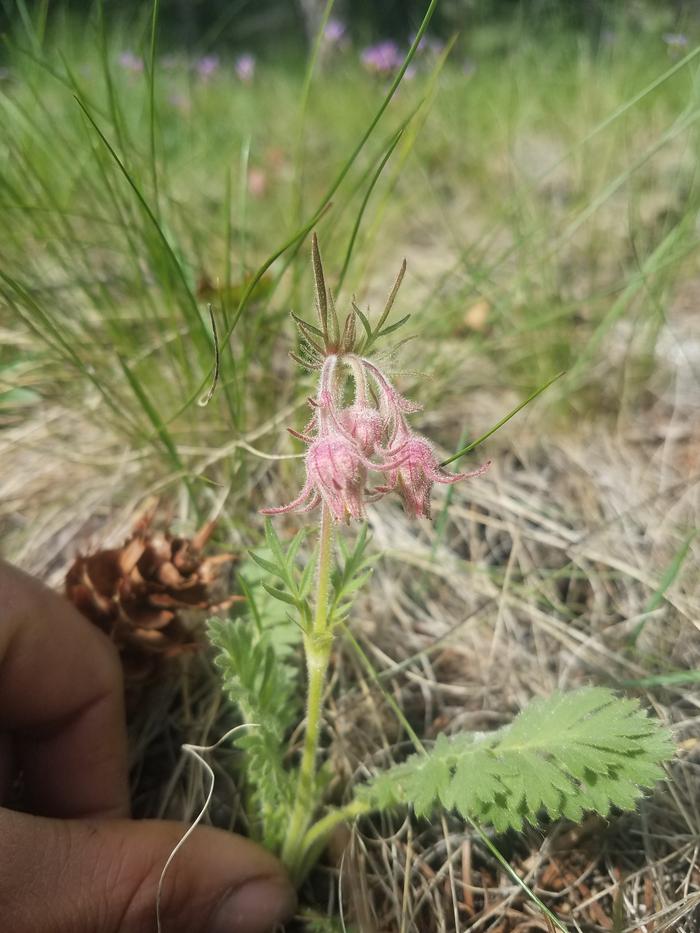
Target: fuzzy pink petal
{"type": "Point", "coordinates": [389, 393]}
{"type": "Point", "coordinates": [315, 500]}
{"type": "Point", "coordinates": [292, 506]}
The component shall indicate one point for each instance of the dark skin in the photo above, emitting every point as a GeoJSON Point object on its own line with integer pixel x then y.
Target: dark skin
{"type": "Point", "coordinates": [76, 863]}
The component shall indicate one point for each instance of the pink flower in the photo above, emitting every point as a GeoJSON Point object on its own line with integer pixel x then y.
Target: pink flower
{"type": "Point", "coordinates": [362, 422]}
{"type": "Point", "coordinates": [392, 406]}
{"type": "Point", "coordinates": [414, 469]}
{"type": "Point", "coordinates": [336, 475]}
{"type": "Point", "coordinates": [343, 438]}
{"type": "Point", "coordinates": [364, 425]}
{"type": "Point", "coordinates": [206, 66]}
{"type": "Point", "coordinates": [335, 32]}
{"type": "Point", "coordinates": [383, 58]}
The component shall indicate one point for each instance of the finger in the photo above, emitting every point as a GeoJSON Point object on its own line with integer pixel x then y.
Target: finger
{"type": "Point", "coordinates": [7, 765]}
{"type": "Point", "coordinates": [102, 877]}
{"type": "Point", "coordinates": [61, 696]}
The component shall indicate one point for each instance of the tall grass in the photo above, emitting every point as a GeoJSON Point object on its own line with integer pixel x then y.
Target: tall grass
{"type": "Point", "coordinates": [554, 183]}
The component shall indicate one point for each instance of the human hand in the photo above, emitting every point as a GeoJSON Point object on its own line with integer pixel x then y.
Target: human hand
{"type": "Point", "coordinates": [76, 863]}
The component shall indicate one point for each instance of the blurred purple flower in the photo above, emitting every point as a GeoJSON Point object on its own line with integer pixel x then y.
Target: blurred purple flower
{"type": "Point", "coordinates": [244, 66]}
{"type": "Point", "coordinates": [206, 66]}
{"type": "Point", "coordinates": [335, 32]}
{"type": "Point", "coordinates": [675, 40]}
{"type": "Point", "coordinates": [131, 62]}
{"type": "Point", "coordinates": [382, 58]}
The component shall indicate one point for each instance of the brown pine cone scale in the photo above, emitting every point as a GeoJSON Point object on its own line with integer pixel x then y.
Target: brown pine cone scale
{"type": "Point", "coordinates": [146, 595]}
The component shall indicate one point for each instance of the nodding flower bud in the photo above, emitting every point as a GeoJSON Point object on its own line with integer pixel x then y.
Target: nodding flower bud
{"type": "Point", "coordinates": [335, 475]}
{"type": "Point", "coordinates": [364, 425]}
{"type": "Point", "coordinates": [392, 405]}
{"type": "Point", "coordinates": [342, 439]}
{"type": "Point", "coordinates": [412, 470]}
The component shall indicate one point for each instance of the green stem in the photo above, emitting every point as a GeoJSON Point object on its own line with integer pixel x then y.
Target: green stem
{"type": "Point", "coordinates": [317, 834]}
{"type": "Point", "coordinates": [323, 580]}
{"type": "Point", "coordinates": [317, 645]}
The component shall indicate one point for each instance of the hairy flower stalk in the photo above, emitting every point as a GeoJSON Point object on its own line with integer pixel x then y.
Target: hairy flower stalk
{"type": "Point", "coordinates": [317, 646]}
{"type": "Point", "coordinates": [360, 448]}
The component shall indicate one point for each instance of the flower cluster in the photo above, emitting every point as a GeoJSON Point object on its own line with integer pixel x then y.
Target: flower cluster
{"type": "Point", "coordinates": [348, 442]}
{"type": "Point", "coordinates": [335, 34]}
{"type": "Point", "coordinates": [383, 58]}
{"type": "Point", "coordinates": [386, 57]}
{"type": "Point", "coordinates": [206, 66]}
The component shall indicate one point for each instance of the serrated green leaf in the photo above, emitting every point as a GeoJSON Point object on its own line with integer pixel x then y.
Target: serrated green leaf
{"type": "Point", "coordinates": [357, 583]}
{"type": "Point", "coordinates": [263, 685]}
{"type": "Point", "coordinates": [474, 781]}
{"type": "Point", "coordinates": [350, 575]}
{"type": "Point", "coordinates": [587, 750]}
{"type": "Point", "coordinates": [422, 786]}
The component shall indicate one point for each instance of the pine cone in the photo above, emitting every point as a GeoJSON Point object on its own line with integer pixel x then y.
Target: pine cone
{"type": "Point", "coordinates": [146, 593]}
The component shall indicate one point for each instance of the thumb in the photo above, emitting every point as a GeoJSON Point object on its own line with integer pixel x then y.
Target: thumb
{"type": "Point", "coordinates": [70, 876]}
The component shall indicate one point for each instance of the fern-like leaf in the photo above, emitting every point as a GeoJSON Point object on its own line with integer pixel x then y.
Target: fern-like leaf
{"type": "Point", "coordinates": [263, 686]}
{"type": "Point", "coordinates": [584, 751]}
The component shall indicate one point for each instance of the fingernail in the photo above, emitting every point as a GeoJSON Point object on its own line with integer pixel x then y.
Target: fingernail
{"type": "Point", "coordinates": [257, 907]}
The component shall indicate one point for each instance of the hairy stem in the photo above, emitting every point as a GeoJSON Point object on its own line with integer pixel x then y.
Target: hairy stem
{"type": "Point", "coordinates": [323, 580]}
{"type": "Point", "coordinates": [317, 645]}
{"type": "Point", "coordinates": [318, 833]}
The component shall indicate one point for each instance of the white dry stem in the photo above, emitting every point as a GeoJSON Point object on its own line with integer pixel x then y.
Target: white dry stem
{"type": "Point", "coordinates": [196, 751]}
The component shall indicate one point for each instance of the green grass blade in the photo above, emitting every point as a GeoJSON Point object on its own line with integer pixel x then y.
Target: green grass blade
{"type": "Point", "coordinates": [157, 422]}
{"type": "Point", "coordinates": [176, 266]}
{"type": "Point", "coordinates": [298, 161]}
{"type": "Point", "coordinates": [669, 679]}
{"type": "Point", "coordinates": [667, 579]}
{"type": "Point", "coordinates": [511, 872]}
{"type": "Point", "coordinates": [296, 239]}
{"type": "Point", "coordinates": [152, 108]}
{"type": "Point", "coordinates": [504, 420]}
{"type": "Point", "coordinates": [363, 206]}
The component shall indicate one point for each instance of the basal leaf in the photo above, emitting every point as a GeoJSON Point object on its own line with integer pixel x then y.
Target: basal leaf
{"type": "Point", "coordinates": [587, 750]}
